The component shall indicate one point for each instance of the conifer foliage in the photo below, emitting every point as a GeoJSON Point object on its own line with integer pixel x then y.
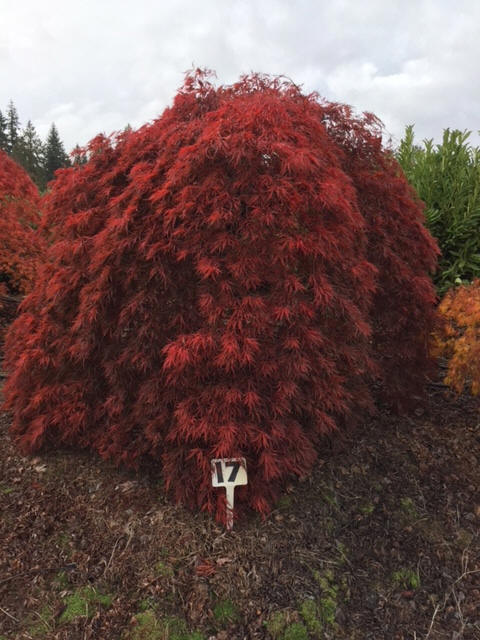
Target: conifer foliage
{"type": "Point", "coordinates": [24, 146]}
{"type": "Point", "coordinates": [226, 281]}
{"type": "Point", "coordinates": [21, 247]}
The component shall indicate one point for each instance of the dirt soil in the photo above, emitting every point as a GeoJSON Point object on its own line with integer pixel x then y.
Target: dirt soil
{"type": "Point", "coordinates": [383, 541]}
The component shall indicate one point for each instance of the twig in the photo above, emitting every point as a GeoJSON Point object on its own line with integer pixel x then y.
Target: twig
{"type": "Point", "coordinates": [437, 609]}
{"type": "Point", "coordinates": [35, 572]}
{"type": "Point", "coordinates": [8, 614]}
{"type": "Point", "coordinates": [18, 575]}
{"type": "Point", "coordinates": [42, 619]}
{"type": "Point", "coordinates": [460, 614]}
{"type": "Point", "coordinates": [111, 555]}
{"type": "Point", "coordinates": [451, 591]}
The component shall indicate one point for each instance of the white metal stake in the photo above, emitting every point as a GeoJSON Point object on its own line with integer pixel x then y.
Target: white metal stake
{"type": "Point", "coordinates": [229, 473]}
{"type": "Point", "coordinates": [230, 493]}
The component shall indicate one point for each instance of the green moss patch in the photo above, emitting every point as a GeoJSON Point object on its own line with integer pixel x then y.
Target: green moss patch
{"type": "Point", "coordinates": [225, 612]}
{"type": "Point", "coordinates": [276, 623]}
{"type": "Point", "coordinates": [40, 623]}
{"type": "Point", "coordinates": [163, 569]}
{"type": "Point", "coordinates": [312, 617]}
{"type": "Point", "coordinates": [150, 627]}
{"type": "Point", "coordinates": [295, 631]}
{"type": "Point", "coordinates": [406, 578]}
{"type": "Point", "coordinates": [327, 604]}
{"type": "Point", "coordinates": [83, 603]}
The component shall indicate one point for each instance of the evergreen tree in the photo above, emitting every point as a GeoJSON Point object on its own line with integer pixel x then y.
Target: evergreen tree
{"type": "Point", "coordinates": [79, 156]}
{"type": "Point", "coordinates": [3, 133]}
{"type": "Point", "coordinates": [13, 126]}
{"type": "Point", "coordinates": [29, 153]}
{"type": "Point", "coordinates": [55, 154]}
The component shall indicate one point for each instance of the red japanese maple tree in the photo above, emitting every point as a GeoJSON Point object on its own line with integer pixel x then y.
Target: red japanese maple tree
{"type": "Point", "coordinates": [229, 280]}
{"type": "Point", "coordinates": [21, 247]}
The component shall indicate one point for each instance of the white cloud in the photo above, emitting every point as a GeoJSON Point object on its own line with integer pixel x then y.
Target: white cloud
{"type": "Point", "coordinates": [97, 65]}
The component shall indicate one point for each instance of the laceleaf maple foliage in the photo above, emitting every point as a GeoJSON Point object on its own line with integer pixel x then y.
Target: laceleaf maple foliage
{"type": "Point", "coordinates": [401, 249]}
{"type": "Point", "coordinates": [227, 281]}
{"type": "Point", "coordinates": [457, 337]}
{"type": "Point", "coordinates": [3, 293]}
{"type": "Point", "coordinates": [21, 246]}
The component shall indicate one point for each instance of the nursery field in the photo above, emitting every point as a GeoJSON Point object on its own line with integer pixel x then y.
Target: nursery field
{"type": "Point", "coordinates": [381, 542]}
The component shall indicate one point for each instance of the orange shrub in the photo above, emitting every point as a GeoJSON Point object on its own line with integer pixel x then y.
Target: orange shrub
{"type": "Point", "coordinates": [457, 337]}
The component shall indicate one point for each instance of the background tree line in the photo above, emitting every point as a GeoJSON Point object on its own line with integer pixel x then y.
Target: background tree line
{"type": "Point", "coordinates": [39, 159]}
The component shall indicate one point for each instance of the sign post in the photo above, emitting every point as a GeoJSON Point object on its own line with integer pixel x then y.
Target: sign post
{"type": "Point", "coordinates": [229, 473]}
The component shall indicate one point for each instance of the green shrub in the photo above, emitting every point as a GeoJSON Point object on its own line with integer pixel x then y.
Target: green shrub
{"type": "Point", "coordinates": [447, 178]}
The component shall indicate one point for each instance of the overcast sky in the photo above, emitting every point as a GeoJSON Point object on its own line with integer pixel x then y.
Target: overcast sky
{"type": "Point", "coordinates": [95, 65]}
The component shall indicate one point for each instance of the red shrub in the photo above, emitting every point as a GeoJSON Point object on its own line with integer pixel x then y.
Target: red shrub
{"type": "Point", "coordinates": [226, 281]}
{"type": "Point", "coordinates": [399, 246]}
{"type": "Point", "coordinates": [3, 293]}
{"type": "Point", "coordinates": [21, 247]}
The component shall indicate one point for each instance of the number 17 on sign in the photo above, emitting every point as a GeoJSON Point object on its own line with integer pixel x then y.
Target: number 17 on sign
{"type": "Point", "coordinates": [229, 473]}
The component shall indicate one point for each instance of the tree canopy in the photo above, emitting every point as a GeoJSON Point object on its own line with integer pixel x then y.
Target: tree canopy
{"type": "Point", "coordinates": [244, 275]}
{"type": "Point", "coordinates": [40, 160]}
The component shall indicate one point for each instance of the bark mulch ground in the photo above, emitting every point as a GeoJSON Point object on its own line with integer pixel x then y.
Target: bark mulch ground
{"type": "Point", "coordinates": [381, 542]}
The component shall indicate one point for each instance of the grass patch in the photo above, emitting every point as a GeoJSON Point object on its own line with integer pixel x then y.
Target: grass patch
{"type": "Point", "coordinates": [6, 490]}
{"type": "Point", "coordinates": [146, 604]}
{"type": "Point", "coordinates": [61, 581]}
{"type": "Point", "coordinates": [146, 627]}
{"type": "Point", "coordinates": [312, 618]}
{"type": "Point", "coordinates": [328, 494]}
{"type": "Point", "coordinates": [150, 627]}
{"type": "Point", "coordinates": [284, 503]}
{"type": "Point", "coordinates": [295, 631]}
{"type": "Point", "coordinates": [406, 578]}
{"type": "Point", "coordinates": [225, 612]}
{"type": "Point", "coordinates": [63, 540]}
{"type": "Point", "coordinates": [327, 605]}
{"type": "Point", "coordinates": [408, 508]}
{"type": "Point", "coordinates": [83, 603]}
{"type": "Point", "coordinates": [276, 623]}
{"type": "Point", "coordinates": [176, 629]}
{"type": "Point", "coordinates": [40, 624]}
{"type": "Point", "coordinates": [367, 508]}
{"type": "Point", "coordinates": [163, 569]}
{"type": "Point", "coordinates": [342, 550]}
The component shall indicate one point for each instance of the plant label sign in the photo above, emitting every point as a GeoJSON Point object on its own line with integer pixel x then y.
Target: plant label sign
{"type": "Point", "coordinates": [229, 473]}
